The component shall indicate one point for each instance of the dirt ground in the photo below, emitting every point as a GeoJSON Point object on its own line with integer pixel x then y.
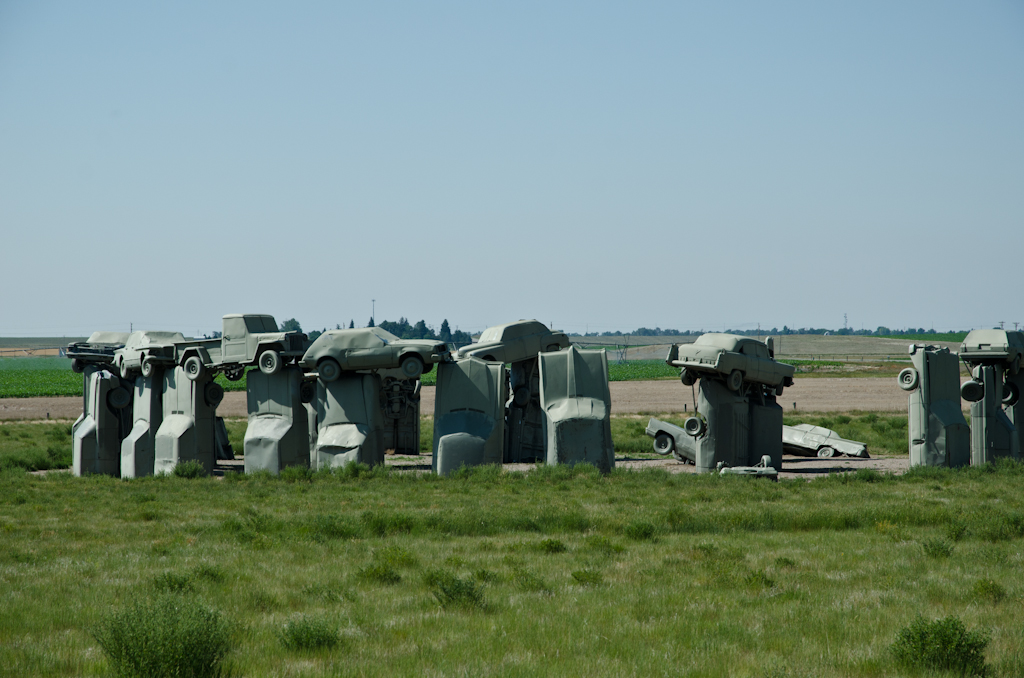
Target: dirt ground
{"type": "Point", "coordinates": [628, 397]}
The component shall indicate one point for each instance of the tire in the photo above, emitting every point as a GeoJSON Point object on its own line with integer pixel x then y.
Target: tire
{"type": "Point", "coordinates": [77, 366]}
{"type": "Point", "coordinates": [119, 398]}
{"type": "Point", "coordinates": [552, 347]}
{"type": "Point", "coordinates": [695, 427]}
{"type": "Point", "coordinates": [972, 391]}
{"type": "Point", "coordinates": [1011, 394]}
{"type": "Point", "coordinates": [909, 379]}
{"type": "Point", "coordinates": [1015, 366]}
{"type": "Point", "coordinates": [270, 362]}
{"type": "Point", "coordinates": [234, 374]}
{"type": "Point", "coordinates": [148, 368]}
{"type": "Point", "coordinates": [826, 452]}
{"type": "Point", "coordinates": [214, 393]}
{"type": "Point", "coordinates": [428, 368]}
{"type": "Point", "coordinates": [411, 366]}
{"type": "Point", "coordinates": [194, 367]}
{"type": "Point", "coordinates": [735, 381]}
{"type": "Point", "coordinates": [307, 391]}
{"type": "Point", "coordinates": [664, 444]}
{"type": "Point", "coordinates": [779, 388]}
{"type": "Point", "coordinates": [329, 369]}
{"type": "Point", "coordinates": [521, 397]}
{"type": "Point", "coordinates": [122, 370]}
{"type": "Point", "coordinates": [688, 377]}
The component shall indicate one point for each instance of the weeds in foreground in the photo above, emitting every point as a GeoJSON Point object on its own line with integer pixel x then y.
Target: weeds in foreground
{"type": "Point", "coordinates": [943, 644]}
{"type": "Point", "coordinates": [169, 636]}
{"type": "Point", "coordinates": [937, 548]}
{"type": "Point", "coordinates": [588, 577]}
{"type": "Point", "coordinates": [455, 593]}
{"type": "Point", "coordinates": [189, 469]}
{"type": "Point", "coordinates": [309, 632]}
{"type": "Point", "coordinates": [990, 591]}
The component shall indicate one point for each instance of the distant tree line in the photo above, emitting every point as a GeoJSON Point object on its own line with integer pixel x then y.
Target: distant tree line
{"type": "Point", "coordinates": [401, 328]}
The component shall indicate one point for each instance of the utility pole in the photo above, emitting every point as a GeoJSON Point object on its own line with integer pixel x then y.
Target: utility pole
{"type": "Point", "coordinates": [1001, 325]}
{"type": "Point", "coordinates": [373, 310]}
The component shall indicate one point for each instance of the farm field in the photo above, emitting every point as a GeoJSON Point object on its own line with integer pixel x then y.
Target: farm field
{"type": "Point", "coordinates": [553, 572]}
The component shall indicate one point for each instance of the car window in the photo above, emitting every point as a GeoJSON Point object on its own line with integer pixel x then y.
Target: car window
{"type": "Point", "coordinates": [234, 328]}
{"type": "Point", "coordinates": [384, 335]}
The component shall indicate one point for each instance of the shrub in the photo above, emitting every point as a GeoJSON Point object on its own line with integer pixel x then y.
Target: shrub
{"type": "Point", "coordinates": [552, 546]}
{"type": "Point", "coordinates": [172, 582]}
{"type": "Point", "coordinates": [640, 530]}
{"type": "Point", "coordinates": [528, 581]}
{"type": "Point", "coordinates": [168, 636]}
{"type": "Point", "coordinates": [486, 576]}
{"type": "Point", "coordinates": [989, 590]}
{"type": "Point", "coordinates": [453, 592]}
{"type": "Point", "coordinates": [189, 469]}
{"type": "Point", "coordinates": [937, 548]}
{"type": "Point", "coordinates": [588, 577]}
{"type": "Point", "coordinates": [381, 573]}
{"type": "Point", "coordinates": [292, 474]}
{"type": "Point", "coordinates": [758, 579]}
{"type": "Point", "coordinates": [309, 632]}
{"type": "Point", "coordinates": [395, 556]}
{"type": "Point", "coordinates": [943, 644]}
{"type": "Point", "coordinates": [603, 545]}
{"type": "Point", "coordinates": [956, 530]}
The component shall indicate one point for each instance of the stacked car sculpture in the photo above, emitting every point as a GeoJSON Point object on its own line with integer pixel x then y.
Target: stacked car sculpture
{"type": "Point", "coordinates": [150, 398]}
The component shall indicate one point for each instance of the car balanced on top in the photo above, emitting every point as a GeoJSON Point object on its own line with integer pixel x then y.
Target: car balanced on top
{"type": "Point", "coordinates": [247, 339]}
{"type": "Point", "coordinates": [734, 359]}
{"type": "Point", "coordinates": [371, 348]}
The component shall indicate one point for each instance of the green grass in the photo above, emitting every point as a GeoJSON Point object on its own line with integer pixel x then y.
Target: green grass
{"type": "Point", "coordinates": [46, 376]}
{"type": "Point", "coordinates": [557, 571]}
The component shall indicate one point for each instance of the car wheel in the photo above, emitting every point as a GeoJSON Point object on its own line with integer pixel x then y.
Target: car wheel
{"type": "Point", "coordinates": [194, 367]}
{"type": "Point", "coordinates": [695, 426]}
{"type": "Point", "coordinates": [664, 444]}
{"type": "Point", "coordinates": [1011, 394]}
{"type": "Point", "coordinates": [307, 391]}
{"type": "Point", "coordinates": [778, 389]}
{"type": "Point", "coordinates": [119, 398]}
{"type": "Point", "coordinates": [411, 366]}
{"type": "Point", "coordinates": [270, 362]}
{"type": "Point", "coordinates": [122, 370]}
{"type": "Point", "coordinates": [148, 368]}
{"type": "Point", "coordinates": [76, 366]}
{"type": "Point", "coordinates": [428, 368]}
{"type": "Point", "coordinates": [329, 369]}
{"type": "Point", "coordinates": [735, 381]}
{"type": "Point", "coordinates": [234, 374]}
{"type": "Point", "coordinates": [826, 452]}
{"type": "Point", "coordinates": [972, 391]}
{"type": "Point", "coordinates": [688, 377]}
{"type": "Point", "coordinates": [521, 397]}
{"type": "Point", "coordinates": [908, 379]}
{"type": "Point", "coordinates": [552, 347]}
{"type": "Point", "coordinates": [214, 393]}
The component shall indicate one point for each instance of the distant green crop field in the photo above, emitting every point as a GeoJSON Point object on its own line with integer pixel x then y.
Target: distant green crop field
{"type": "Point", "coordinates": [38, 377]}
{"type": "Point", "coordinates": [27, 377]}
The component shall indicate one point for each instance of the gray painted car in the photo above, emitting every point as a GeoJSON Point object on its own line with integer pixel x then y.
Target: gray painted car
{"type": "Point", "coordinates": [733, 358]}
{"type": "Point", "coordinates": [804, 439]}
{"type": "Point", "coordinates": [512, 342]}
{"type": "Point", "coordinates": [247, 339]}
{"type": "Point", "coordinates": [371, 348]}
{"type": "Point", "coordinates": [98, 348]}
{"type": "Point", "coordinates": [146, 350]}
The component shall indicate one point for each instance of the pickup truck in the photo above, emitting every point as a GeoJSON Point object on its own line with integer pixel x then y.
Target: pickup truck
{"type": "Point", "coordinates": [247, 339]}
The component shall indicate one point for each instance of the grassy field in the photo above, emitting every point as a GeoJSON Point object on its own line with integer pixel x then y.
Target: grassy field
{"type": "Point", "coordinates": [554, 572]}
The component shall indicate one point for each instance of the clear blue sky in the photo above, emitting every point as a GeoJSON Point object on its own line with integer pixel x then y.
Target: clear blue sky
{"type": "Point", "coordinates": [594, 165]}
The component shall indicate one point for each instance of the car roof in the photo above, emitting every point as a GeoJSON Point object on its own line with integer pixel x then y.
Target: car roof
{"type": "Point", "coordinates": [993, 338]}
{"type": "Point", "coordinates": [155, 336]}
{"type": "Point", "coordinates": [361, 337]}
{"type": "Point", "coordinates": [107, 338]}
{"type": "Point", "coordinates": [515, 330]}
{"type": "Point", "coordinates": [728, 342]}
